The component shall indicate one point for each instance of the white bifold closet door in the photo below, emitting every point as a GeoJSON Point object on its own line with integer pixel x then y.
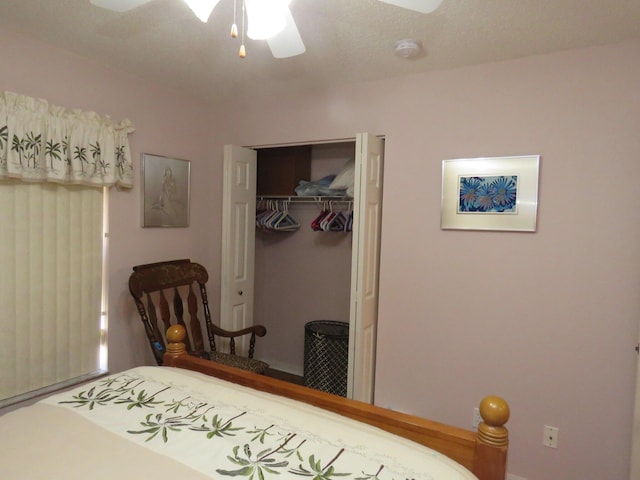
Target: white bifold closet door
{"type": "Point", "coordinates": [363, 317]}
{"type": "Point", "coordinates": [238, 240]}
{"type": "Point", "coordinates": [238, 254]}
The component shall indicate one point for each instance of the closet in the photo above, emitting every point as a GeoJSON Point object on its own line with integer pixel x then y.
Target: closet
{"type": "Point", "coordinates": [286, 278]}
{"type": "Point", "coordinates": [304, 274]}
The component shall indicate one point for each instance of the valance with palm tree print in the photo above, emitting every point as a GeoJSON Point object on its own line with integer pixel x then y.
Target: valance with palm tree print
{"type": "Point", "coordinates": [43, 142]}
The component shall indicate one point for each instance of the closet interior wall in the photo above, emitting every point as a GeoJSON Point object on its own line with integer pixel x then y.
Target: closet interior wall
{"type": "Point", "coordinates": [304, 275]}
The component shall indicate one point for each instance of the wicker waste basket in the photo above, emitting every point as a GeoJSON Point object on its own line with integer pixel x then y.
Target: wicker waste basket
{"type": "Point", "coordinates": [326, 356]}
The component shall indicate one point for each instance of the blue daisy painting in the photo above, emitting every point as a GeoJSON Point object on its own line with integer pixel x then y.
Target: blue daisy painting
{"type": "Point", "coordinates": [493, 194]}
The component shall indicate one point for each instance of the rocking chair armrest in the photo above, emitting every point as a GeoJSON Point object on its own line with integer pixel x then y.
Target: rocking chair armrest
{"type": "Point", "coordinates": [258, 330]}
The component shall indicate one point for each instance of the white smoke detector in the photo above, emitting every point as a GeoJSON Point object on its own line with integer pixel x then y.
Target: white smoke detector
{"type": "Point", "coordinates": [408, 48]}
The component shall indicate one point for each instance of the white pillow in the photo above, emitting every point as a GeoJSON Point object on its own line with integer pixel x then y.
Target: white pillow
{"type": "Point", "coordinates": [345, 178]}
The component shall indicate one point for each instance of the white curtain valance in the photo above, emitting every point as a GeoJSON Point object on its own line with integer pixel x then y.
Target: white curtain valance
{"type": "Point", "coordinates": [43, 142]}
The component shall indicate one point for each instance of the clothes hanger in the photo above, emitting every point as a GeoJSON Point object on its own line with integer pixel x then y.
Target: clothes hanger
{"type": "Point", "coordinates": [285, 222]}
{"type": "Point", "coordinates": [348, 226]}
{"type": "Point", "coordinates": [337, 223]}
{"type": "Point", "coordinates": [268, 216]}
{"type": "Point", "coordinates": [316, 223]}
{"type": "Point", "coordinates": [326, 220]}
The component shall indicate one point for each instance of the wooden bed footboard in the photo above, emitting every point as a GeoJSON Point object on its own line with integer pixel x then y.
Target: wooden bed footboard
{"type": "Point", "coordinates": [483, 452]}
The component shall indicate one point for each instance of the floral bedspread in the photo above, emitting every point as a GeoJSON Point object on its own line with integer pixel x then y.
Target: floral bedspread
{"type": "Point", "coordinates": [224, 430]}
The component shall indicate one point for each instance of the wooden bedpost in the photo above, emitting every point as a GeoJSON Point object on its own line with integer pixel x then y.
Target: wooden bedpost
{"type": "Point", "coordinates": [483, 452]}
{"type": "Point", "coordinates": [493, 440]}
{"type": "Point", "coordinates": [175, 341]}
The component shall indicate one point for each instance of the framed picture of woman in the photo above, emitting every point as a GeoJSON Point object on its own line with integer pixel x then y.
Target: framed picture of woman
{"type": "Point", "coordinates": [165, 191]}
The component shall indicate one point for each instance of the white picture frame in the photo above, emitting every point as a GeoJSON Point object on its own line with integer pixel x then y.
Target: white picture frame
{"type": "Point", "coordinates": [490, 193]}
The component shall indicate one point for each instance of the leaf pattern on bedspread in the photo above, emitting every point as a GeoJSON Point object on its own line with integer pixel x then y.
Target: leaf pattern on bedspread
{"type": "Point", "coordinates": [317, 471]}
{"type": "Point", "coordinates": [157, 423]}
{"type": "Point", "coordinates": [247, 445]}
{"type": "Point", "coordinates": [261, 464]}
{"type": "Point", "coordinates": [100, 397]}
{"type": "Point", "coordinates": [220, 427]}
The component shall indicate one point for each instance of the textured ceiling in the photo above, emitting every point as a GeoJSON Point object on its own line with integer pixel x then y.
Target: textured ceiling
{"type": "Point", "coordinates": [346, 40]}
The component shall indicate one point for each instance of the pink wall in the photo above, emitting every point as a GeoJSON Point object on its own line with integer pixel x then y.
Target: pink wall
{"type": "Point", "coordinates": [167, 123]}
{"type": "Point", "coordinates": [548, 320]}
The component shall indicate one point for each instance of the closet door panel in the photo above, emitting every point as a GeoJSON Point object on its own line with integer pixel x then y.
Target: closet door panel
{"type": "Point", "coordinates": [238, 239]}
{"type": "Point", "coordinates": [365, 267]}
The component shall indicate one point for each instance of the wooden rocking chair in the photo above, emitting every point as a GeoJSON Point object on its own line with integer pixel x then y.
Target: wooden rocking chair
{"type": "Point", "coordinates": [155, 285]}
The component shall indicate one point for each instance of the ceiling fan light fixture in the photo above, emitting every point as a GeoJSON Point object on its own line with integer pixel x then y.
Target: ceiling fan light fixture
{"type": "Point", "coordinates": [202, 8]}
{"type": "Point", "coordinates": [266, 18]}
{"type": "Point", "coordinates": [408, 48]}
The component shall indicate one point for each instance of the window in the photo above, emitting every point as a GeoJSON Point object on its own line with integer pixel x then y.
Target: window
{"type": "Point", "coordinates": [52, 250]}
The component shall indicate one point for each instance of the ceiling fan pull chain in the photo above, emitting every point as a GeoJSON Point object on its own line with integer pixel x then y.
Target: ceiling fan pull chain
{"type": "Point", "coordinates": [242, 53]}
{"type": "Point", "coordinates": [234, 27]}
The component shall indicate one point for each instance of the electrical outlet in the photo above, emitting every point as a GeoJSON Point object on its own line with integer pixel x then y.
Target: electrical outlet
{"type": "Point", "coordinates": [550, 437]}
{"type": "Point", "coordinates": [476, 417]}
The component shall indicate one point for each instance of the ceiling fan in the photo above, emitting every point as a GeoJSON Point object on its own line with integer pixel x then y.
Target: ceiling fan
{"type": "Point", "coordinates": [267, 20]}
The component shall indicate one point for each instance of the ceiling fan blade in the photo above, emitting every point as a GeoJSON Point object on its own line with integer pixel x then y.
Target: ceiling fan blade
{"type": "Point", "coordinates": [288, 43]}
{"type": "Point", "coordinates": [422, 6]}
{"type": "Point", "coordinates": [119, 5]}
{"type": "Point", "coordinates": [201, 9]}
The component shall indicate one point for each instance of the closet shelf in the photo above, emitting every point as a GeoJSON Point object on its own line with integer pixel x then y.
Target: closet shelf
{"type": "Point", "coordinates": [304, 199]}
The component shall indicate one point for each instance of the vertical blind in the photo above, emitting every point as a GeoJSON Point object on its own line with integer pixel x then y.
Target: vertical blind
{"type": "Point", "coordinates": [51, 239]}
{"type": "Point", "coordinates": [55, 166]}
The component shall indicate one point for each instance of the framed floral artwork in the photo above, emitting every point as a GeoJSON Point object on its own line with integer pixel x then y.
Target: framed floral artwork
{"type": "Point", "coordinates": [165, 191]}
{"type": "Point", "coordinates": [499, 193]}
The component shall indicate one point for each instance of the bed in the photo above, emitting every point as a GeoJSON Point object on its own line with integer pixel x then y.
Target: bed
{"type": "Point", "coordinates": [194, 419]}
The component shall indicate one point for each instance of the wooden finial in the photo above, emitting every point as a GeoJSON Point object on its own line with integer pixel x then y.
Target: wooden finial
{"type": "Point", "coordinates": [495, 413]}
{"type": "Point", "coordinates": [175, 339]}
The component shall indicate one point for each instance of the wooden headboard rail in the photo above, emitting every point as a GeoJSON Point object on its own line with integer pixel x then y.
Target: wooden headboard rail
{"type": "Point", "coordinates": [483, 452]}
